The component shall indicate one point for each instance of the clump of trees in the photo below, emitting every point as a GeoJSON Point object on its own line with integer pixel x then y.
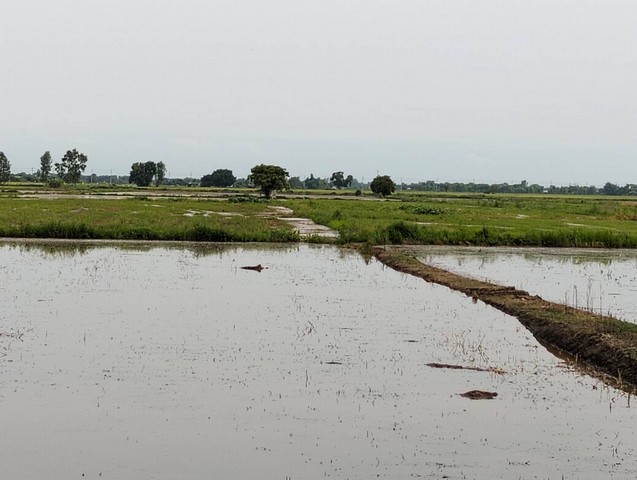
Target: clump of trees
{"type": "Point", "coordinates": [71, 167]}
{"type": "Point", "coordinates": [315, 183]}
{"type": "Point", "coordinates": [383, 185]}
{"type": "Point", "coordinates": [219, 178]}
{"type": "Point", "coordinates": [5, 168]}
{"type": "Point", "coordinates": [143, 174]}
{"type": "Point", "coordinates": [269, 178]}
{"type": "Point", "coordinates": [339, 180]}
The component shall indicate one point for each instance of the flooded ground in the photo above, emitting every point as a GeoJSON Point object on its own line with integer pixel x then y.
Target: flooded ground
{"type": "Point", "coordinates": [164, 363]}
{"type": "Point", "coordinates": [603, 281]}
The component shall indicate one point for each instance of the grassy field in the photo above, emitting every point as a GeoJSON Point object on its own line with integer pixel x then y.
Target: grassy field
{"type": "Point", "coordinates": [515, 220]}
{"type": "Point", "coordinates": [140, 218]}
{"type": "Point", "coordinates": [417, 218]}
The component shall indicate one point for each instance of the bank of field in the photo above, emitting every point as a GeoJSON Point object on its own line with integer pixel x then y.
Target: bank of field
{"type": "Point", "coordinates": [185, 219]}
{"type": "Point", "coordinates": [515, 220]}
{"type": "Point", "coordinates": [405, 218]}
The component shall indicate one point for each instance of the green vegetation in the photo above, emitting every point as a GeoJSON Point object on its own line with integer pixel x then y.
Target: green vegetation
{"type": "Point", "coordinates": [141, 218]}
{"type": "Point", "coordinates": [221, 177]}
{"type": "Point", "coordinates": [269, 178]}
{"type": "Point", "coordinates": [383, 185]}
{"type": "Point", "coordinates": [145, 174]}
{"type": "Point", "coordinates": [408, 218]}
{"type": "Point", "coordinates": [469, 219]}
{"type": "Point", "coordinates": [71, 166]}
{"type": "Point", "coordinates": [339, 180]}
{"type": "Point", "coordinates": [5, 168]}
{"type": "Point", "coordinates": [45, 167]}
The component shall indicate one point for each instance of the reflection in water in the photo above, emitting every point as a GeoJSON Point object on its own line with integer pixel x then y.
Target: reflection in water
{"type": "Point", "coordinates": [169, 362]}
{"type": "Point", "coordinates": [601, 281]}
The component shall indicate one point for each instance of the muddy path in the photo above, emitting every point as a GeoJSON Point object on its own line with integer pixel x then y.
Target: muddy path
{"type": "Point", "coordinates": [601, 342]}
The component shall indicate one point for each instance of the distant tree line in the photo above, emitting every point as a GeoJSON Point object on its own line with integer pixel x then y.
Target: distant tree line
{"type": "Point", "coordinates": [522, 187]}
{"type": "Point", "coordinates": [270, 178]}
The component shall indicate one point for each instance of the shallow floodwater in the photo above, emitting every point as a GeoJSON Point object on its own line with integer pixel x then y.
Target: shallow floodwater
{"type": "Point", "coordinates": [603, 281]}
{"type": "Point", "coordinates": [165, 363]}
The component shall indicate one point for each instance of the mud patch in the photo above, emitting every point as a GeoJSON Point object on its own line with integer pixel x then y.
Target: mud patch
{"type": "Point", "coordinates": [304, 226]}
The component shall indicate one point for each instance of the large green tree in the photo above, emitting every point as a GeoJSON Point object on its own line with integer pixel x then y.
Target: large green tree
{"type": "Point", "coordinates": [219, 178]}
{"type": "Point", "coordinates": [71, 166]}
{"type": "Point", "coordinates": [5, 168]}
{"type": "Point", "coordinates": [269, 178]}
{"type": "Point", "coordinates": [45, 166]}
{"type": "Point", "coordinates": [339, 180]}
{"type": "Point", "coordinates": [142, 173]}
{"type": "Point", "coordinates": [383, 185]}
{"type": "Point", "coordinates": [161, 173]}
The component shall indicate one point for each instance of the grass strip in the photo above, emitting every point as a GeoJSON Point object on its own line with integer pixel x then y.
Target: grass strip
{"type": "Point", "coordinates": [602, 342]}
{"type": "Point", "coordinates": [142, 219]}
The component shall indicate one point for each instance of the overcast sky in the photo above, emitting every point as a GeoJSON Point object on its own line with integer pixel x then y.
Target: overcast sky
{"type": "Point", "coordinates": [448, 90]}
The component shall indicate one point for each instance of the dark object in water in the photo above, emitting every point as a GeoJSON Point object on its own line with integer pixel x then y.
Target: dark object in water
{"type": "Point", "coordinates": [256, 268]}
{"type": "Point", "coordinates": [479, 395]}
{"type": "Point", "coordinates": [499, 371]}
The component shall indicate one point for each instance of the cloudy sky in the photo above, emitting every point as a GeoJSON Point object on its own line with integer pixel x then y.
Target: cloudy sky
{"type": "Point", "coordinates": [448, 90]}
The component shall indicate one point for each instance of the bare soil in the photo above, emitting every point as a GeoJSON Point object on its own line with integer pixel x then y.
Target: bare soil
{"type": "Point", "coordinates": [604, 343]}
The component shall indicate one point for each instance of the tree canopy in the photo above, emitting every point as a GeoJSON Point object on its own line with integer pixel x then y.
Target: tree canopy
{"type": "Point", "coordinates": [269, 178]}
{"type": "Point", "coordinates": [45, 166]}
{"type": "Point", "coordinates": [219, 178]}
{"type": "Point", "coordinates": [142, 174]}
{"type": "Point", "coordinates": [383, 185]}
{"type": "Point", "coordinates": [339, 180]}
{"type": "Point", "coordinates": [161, 173]}
{"type": "Point", "coordinates": [71, 166]}
{"type": "Point", "coordinates": [5, 168]}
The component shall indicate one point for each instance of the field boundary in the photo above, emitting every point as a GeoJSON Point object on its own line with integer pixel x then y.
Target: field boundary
{"type": "Point", "coordinates": [601, 342]}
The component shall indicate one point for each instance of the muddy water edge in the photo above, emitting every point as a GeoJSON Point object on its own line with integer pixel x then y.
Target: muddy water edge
{"type": "Point", "coordinates": [163, 362]}
{"type": "Point", "coordinates": [602, 342]}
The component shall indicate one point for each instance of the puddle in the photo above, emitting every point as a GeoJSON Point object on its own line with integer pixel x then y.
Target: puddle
{"type": "Point", "coordinates": [172, 363]}
{"type": "Point", "coordinates": [603, 281]}
{"type": "Point", "coordinates": [305, 226]}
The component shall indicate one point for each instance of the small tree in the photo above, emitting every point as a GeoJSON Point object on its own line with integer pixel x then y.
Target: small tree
{"type": "Point", "coordinates": [71, 167]}
{"type": "Point", "coordinates": [45, 166]}
{"type": "Point", "coordinates": [219, 178]}
{"type": "Point", "coordinates": [161, 173]}
{"type": "Point", "coordinates": [383, 185]}
{"type": "Point", "coordinates": [5, 168]}
{"type": "Point", "coordinates": [142, 174]}
{"type": "Point", "coordinates": [269, 178]}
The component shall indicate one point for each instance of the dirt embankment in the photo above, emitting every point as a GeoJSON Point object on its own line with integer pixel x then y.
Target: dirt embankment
{"type": "Point", "coordinates": [605, 343]}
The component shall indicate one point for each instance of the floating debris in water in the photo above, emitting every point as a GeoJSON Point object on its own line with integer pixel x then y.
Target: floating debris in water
{"type": "Point", "coordinates": [256, 268]}
{"type": "Point", "coordinates": [479, 395]}
{"type": "Point", "coordinates": [499, 371]}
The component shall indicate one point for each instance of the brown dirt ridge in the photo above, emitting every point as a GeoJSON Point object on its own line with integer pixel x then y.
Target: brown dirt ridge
{"type": "Point", "coordinates": [604, 343]}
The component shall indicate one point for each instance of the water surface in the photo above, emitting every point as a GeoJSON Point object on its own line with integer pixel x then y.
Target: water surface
{"type": "Point", "coordinates": [603, 281]}
{"type": "Point", "coordinates": [164, 363]}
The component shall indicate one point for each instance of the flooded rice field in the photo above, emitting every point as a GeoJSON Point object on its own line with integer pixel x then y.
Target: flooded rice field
{"type": "Point", "coordinates": [164, 363]}
{"type": "Point", "coordinates": [602, 281]}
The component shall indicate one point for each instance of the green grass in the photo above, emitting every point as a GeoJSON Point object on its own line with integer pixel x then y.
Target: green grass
{"type": "Point", "coordinates": [404, 218]}
{"type": "Point", "coordinates": [139, 218]}
{"type": "Point", "coordinates": [513, 220]}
